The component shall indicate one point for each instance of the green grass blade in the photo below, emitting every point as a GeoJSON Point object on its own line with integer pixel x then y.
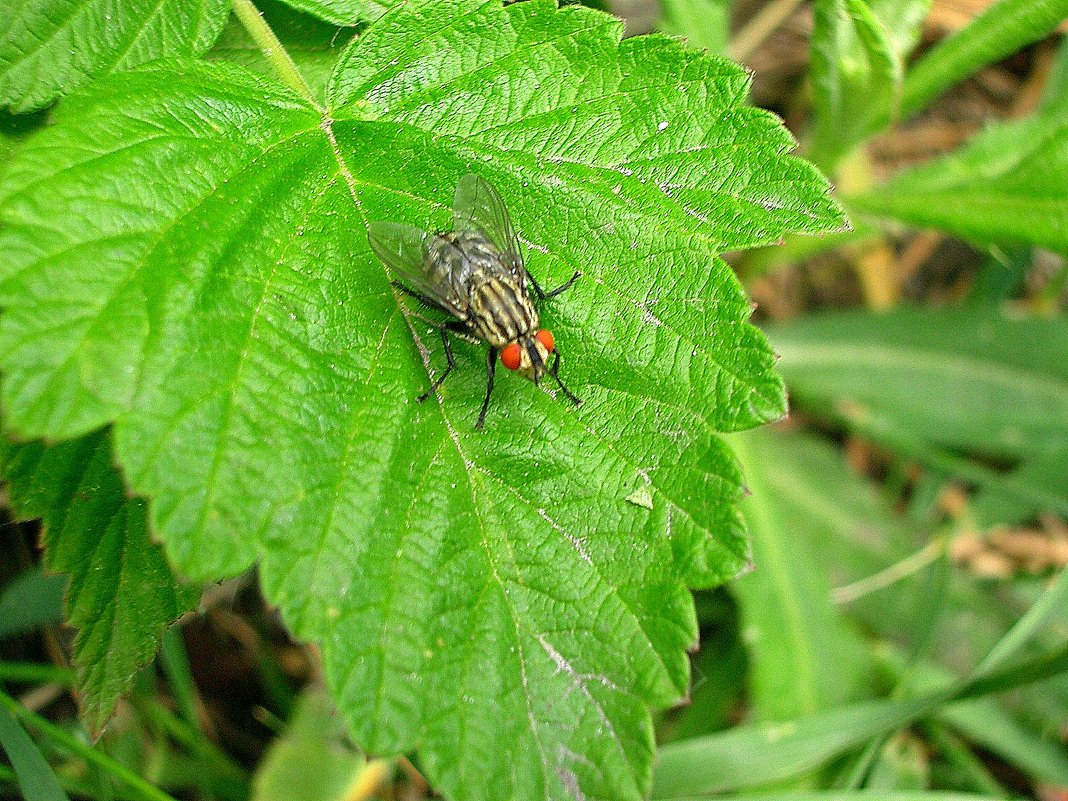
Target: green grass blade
{"type": "Point", "coordinates": [1003, 28]}
{"type": "Point", "coordinates": [30, 601]}
{"type": "Point", "coordinates": [34, 673]}
{"type": "Point", "coordinates": [144, 790]}
{"type": "Point", "coordinates": [1052, 602]}
{"type": "Point", "coordinates": [35, 778]}
{"type": "Point", "coordinates": [802, 656]}
{"type": "Point", "coordinates": [755, 755]}
{"type": "Point", "coordinates": [857, 795]}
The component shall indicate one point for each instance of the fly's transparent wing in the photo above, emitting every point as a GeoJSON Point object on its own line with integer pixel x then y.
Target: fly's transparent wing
{"type": "Point", "coordinates": [476, 206]}
{"type": "Point", "coordinates": [404, 249]}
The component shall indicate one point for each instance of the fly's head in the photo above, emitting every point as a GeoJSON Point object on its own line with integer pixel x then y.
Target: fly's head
{"type": "Point", "coordinates": [529, 355]}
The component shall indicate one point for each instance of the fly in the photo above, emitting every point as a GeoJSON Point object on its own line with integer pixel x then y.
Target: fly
{"type": "Point", "coordinates": [475, 274]}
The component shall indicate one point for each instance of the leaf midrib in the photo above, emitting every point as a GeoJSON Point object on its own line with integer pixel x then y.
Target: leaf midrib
{"type": "Point", "coordinates": [134, 36]}
{"type": "Point", "coordinates": [352, 182]}
{"type": "Point", "coordinates": [518, 625]}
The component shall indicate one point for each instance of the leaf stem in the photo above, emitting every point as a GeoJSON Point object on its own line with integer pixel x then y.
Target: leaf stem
{"type": "Point", "coordinates": [898, 571]}
{"type": "Point", "coordinates": [760, 27]}
{"type": "Point", "coordinates": [260, 32]}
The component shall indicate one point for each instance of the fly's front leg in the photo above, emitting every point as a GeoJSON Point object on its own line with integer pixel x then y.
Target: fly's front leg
{"type": "Point", "coordinates": [552, 293]}
{"type": "Point", "coordinates": [554, 371]}
{"type": "Point", "coordinates": [491, 365]}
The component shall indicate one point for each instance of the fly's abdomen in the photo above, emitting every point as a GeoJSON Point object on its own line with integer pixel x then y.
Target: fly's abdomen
{"type": "Point", "coordinates": [501, 312]}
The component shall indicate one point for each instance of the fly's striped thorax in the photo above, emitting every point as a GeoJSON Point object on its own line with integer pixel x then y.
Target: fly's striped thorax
{"type": "Point", "coordinates": [501, 312]}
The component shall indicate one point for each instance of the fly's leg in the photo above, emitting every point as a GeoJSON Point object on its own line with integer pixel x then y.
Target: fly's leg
{"type": "Point", "coordinates": [452, 326]}
{"type": "Point", "coordinates": [452, 363]}
{"type": "Point", "coordinates": [552, 293]}
{"type": "Point", "coordinates": [491, 365]}
{"type": "Point", "coordinates": [554, 371]}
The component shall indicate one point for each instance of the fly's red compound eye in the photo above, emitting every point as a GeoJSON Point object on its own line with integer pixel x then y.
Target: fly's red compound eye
{"type": "Point", "coordinates": [545, 337]}
{"type": "Point", "coordinates": [511, 356]}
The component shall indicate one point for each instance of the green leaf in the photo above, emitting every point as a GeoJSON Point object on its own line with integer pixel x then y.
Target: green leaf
{"type": "Point", "coordinates": [343, 12]}
{"type": "Point", "coordinates": [217, 298]}
{"type": "Point", "coordinates": [121, 593]}
{"type": "Point", "coordinates": [314, 46]}
{"type": "Point", "coordinates": [984, 722]}
{"type": "Point", "coordinates": [36, 781]}
{"type": "Point", "coordinates": [803, 658]}
{"type": "Point", "coordinates": [965, 378]}
{"type": "Point", "coordinates": [647, 124]}
{"type": "Point", "coordinates": [756, 755]}
{"type": "Point", "coordinates": [903, 763]}
{"type": "Point", "coordinates": [1052, 602]}
{"type": "Point", "coordinates": [313, 753]}
{"type": "Point", "coordinates": [857, 51]}
{"type": "Point", "coordinates": [32, 600]}
{"type": "Point", "coordinates": [991, 727]}
{"type": "Point", "coordinates": [14, 128]}
{"type": "Point", "coordinates": [703, 23]}
{"type": "Point", "coordinates": [50, 47]}
{"type": "Point", "coordinates": [1057, 81]}
{"type": "Point", "coordinates": [716, 693]}
{"type": "Point", "coordinates": [1001, 276]}
{"type": "Point", "coordinates": [999, 506]}
{"type": "Point", "coordinates": [1004, 28]}
{"type": "Point", "coordinates": [867, 795]}
{"type": "Point", "coordinates": [753, 755]}
{"type": "Point", "coordinates": [1008, 184]}
{"type": "Point", "coordinates": [1034, 749]}
{"type": "Point", "coordinates": [76, 744]}
{"type": "Point", "coordinates": [873, 558]}
{"type": "Point", "coordinates": [876, 561]}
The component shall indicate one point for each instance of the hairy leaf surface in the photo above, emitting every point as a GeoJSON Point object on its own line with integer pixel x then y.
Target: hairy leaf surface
{"type": "Point", "coordinates": [50, 47]}
{"type": "Point", "coordinates": [191, 262]}
{"type": "Point", "coordinates": [343, 12]}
